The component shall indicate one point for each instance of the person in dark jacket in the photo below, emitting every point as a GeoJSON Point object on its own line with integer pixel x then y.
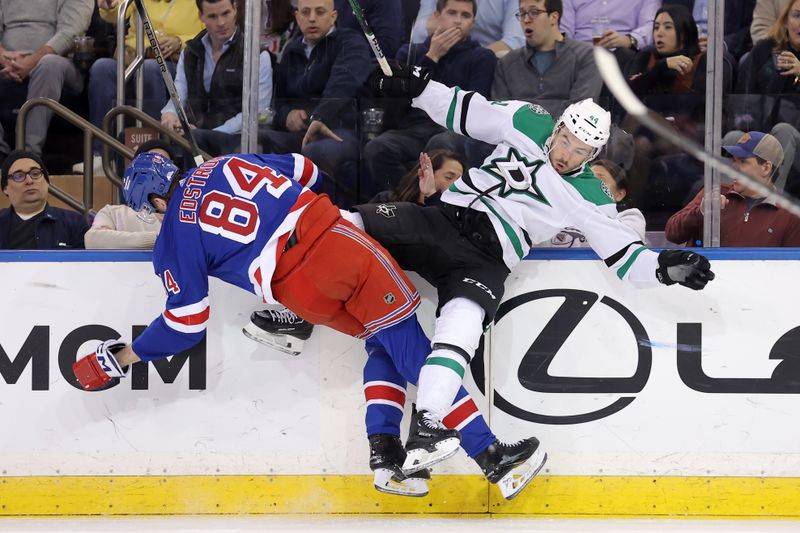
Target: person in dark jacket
{"type": "Point", "coordinates": [385, 18]}
{"type": "Point", "coordinates": [322, 71]}
{"type": "Point", "coordinates": [30, 223]}
{"type": "Point", "coordinates": [210, 78]}
{"type": "Point", "coordinates": [670, 78]}
{"type": "Point", "coordinates": [773, 66]}
{"type": "Point", "coordinates": [674, 64]}
{"type": "Point", "coordinates": [453, 58]}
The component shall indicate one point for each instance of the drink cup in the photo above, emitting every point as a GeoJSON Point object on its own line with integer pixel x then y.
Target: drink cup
{"type": "Point", "coordinates": [83, 56]}
{"type": "Point", "coordinates": [600, 26]}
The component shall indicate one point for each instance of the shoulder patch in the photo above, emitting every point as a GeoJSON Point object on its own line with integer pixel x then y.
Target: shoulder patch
{"type": "Point", "coordinates": [606, 189]}
{"type": "Point", "coordinates": [539, 110]}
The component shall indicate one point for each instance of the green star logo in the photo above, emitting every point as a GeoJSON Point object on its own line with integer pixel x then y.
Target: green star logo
{"type": "Point", "coordinates": [517, 174]}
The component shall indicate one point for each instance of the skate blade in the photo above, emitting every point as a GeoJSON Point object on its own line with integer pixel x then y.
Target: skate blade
{"type": "Point", "coordinates": [386, 482]}
{"type": "Point", "coordinates": [282, 343]}
{"type": "Point", "coordinates": [518, 478]}
{"type": "Point", "coordinates": [421, 458]}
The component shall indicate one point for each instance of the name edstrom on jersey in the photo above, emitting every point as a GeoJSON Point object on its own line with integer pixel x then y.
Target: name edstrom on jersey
{"type": "Point", "coordinates": [229, 218]}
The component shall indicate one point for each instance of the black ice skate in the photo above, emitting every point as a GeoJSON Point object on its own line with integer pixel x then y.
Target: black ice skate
{"type": "Point", "coordinates": [386, 456]}
{"type": "Point", "coordinates": [512, 466]}
{"type": "Point", "coordinates": [280, 329]}
{"type": "Point", "coordinates": [428, 442]}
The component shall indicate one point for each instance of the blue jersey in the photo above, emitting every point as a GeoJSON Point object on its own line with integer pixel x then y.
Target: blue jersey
{"type": "Point", "coordinates": [228, 218]}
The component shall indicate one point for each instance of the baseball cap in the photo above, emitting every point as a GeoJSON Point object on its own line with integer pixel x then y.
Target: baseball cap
{"type": "Point", "coordinates": [758, 144]}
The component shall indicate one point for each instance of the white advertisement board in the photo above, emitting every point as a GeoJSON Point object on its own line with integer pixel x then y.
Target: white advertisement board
{"type": "Point", "coordinates": [229, 406]}
{"type": "Point", "coordinates": [666, 381]}
{"type": "Point", "coordinates": [613, 380]}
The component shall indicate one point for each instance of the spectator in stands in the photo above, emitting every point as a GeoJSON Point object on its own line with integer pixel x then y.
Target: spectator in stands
{"type": "Point", "coordinates": [765, 13]}
{"type": "Point", "coordinates": [35, 38]}
{"type": "Point", "coordinates": [278, 25]}
{"type": "Point", "coordinates": [434, 172]}
{"type": "Point", "coordinates": [119, 226]}
{"type": "Point", "coordinates": [615, 181]}
{"type": "Point", "coordinates": [31, 223]}
{"type": "Point", "coordinates": [674, 64]}
{"type": "Point", "coordinates": [175, 23]}
{"type": "Point", "coordinates": [623, 26]}
{"type": "Point", "coordinates": [320, 74]}
{"type": "Point", "coordinates": [551, 70]}
{"type": "Point", "coordinates": [614, 178]}
{"type": "Point", "coordinates": [453, 58]}
{"type": "Point", "coordinates": [209, 80]}
{"type": "Point", "coordinates": [786, 177]}
{"type": "Point", "coordinates": [671, 76]}
{"type": "Point", "coordinates": [746, 219]}
{"type": "Point", "coordinates": [773, 66]}
{"type": "Point", "coordinates": [495, 25]}
{"type": "Point", "coordinates": [385, 18]}
{"type": "Point", "coordinates": [736, 24]}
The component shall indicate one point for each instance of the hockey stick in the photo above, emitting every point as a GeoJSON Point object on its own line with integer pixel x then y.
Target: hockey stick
{"type": "Point", "coordinates": [371, 39]}
{"type": "Point", "coordinates": [616, 83]}
{"type": "Point", "coordinates": [173, 92]}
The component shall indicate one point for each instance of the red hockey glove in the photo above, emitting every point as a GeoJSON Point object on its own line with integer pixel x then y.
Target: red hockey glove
{"type": "Point", "coordinates": [98, 369]}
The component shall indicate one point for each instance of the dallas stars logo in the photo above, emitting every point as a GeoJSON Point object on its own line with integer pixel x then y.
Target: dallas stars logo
{"type": "Point", "coordinates": [517, 174]}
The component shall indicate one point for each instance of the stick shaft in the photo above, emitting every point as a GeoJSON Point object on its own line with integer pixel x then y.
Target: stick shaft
{"type": "Point", "coordinates": [370, 35]}
{"type": "Point", "coordinates": [168, 81]}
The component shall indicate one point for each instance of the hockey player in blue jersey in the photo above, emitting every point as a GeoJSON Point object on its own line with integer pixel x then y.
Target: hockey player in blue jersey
{"type": "Point", "coordinates": [252, 221]}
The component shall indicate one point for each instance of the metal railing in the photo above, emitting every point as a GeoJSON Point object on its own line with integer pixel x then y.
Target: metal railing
{"type": "Point", "coordinates": [142, 117]}
{"type": "Point", "coordinates": [137, 63]}
{"type": "Point", "coordinates": [90, 131]}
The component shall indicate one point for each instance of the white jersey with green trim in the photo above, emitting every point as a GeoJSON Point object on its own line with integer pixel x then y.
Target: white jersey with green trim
{"type": "Point", "coordinates": [527, 201]}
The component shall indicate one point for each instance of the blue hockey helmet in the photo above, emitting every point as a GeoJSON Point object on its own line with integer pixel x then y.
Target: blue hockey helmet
{"type": "Point", "coordinates": [149, 173]}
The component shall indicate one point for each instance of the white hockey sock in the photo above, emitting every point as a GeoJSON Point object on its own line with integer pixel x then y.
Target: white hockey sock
{"type": "Point", "coordinates": [439, 380]}
{"type": "Point", "coordinates": [458, 331]}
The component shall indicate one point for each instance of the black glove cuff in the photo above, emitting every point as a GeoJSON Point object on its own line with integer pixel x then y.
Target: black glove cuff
{"type": "Point", "coordinates": [661, 272]}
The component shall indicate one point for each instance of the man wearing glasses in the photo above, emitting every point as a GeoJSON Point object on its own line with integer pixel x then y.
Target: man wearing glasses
{"type": "Point", "coordinates": [30, 223]}
{"type": "Point", "coordinates": [551, 70]}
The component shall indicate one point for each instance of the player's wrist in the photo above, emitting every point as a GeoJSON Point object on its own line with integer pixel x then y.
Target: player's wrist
{"type": "Point", "coordinates": [100, 369]}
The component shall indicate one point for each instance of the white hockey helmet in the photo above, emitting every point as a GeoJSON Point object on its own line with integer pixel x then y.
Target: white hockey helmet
{"type": "Point", "coordinates": [589, 122]}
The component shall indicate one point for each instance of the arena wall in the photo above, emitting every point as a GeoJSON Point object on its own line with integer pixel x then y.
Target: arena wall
{"type": "Point", "coordinates": [662, 402]}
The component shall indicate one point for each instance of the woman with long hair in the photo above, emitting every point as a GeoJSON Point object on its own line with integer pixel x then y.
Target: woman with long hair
{"type": "Point", "coordinates": [773, 66]}
{"type": "Point", "coordinates": [674, 64]}
{"type": "Point", "coordinates": [434, 172]}
{"type": "Point", "coordinates": [670, 76]}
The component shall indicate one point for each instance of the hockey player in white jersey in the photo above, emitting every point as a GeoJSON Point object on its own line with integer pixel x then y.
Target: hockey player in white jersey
{"type": "Point", "coordinates": [535, 183]}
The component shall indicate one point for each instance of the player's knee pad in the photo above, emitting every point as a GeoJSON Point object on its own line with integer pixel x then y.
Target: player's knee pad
{"type": "Point", "coordinates": [460, 325]}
